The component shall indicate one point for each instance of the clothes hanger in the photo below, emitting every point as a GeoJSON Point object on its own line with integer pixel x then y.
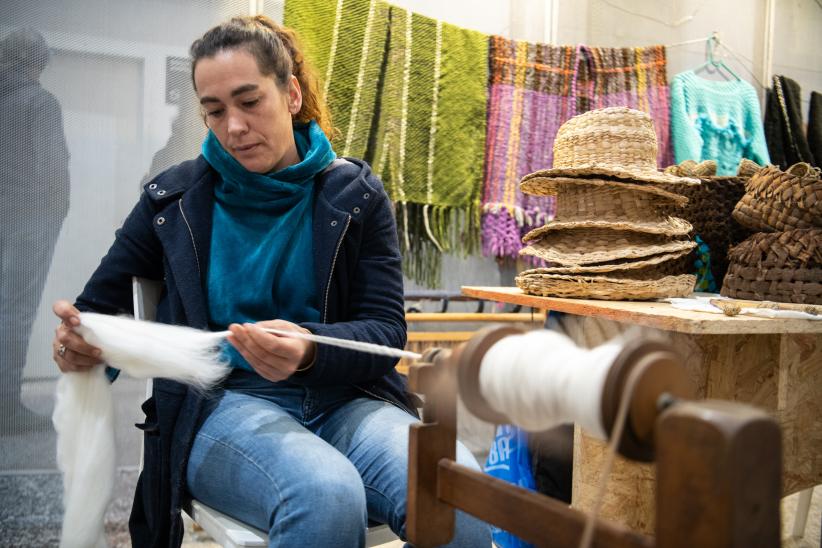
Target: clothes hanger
{"type": "Point", "coordinates": [714, 63]}
{"type": "Point", "coordinates": [744, 62]}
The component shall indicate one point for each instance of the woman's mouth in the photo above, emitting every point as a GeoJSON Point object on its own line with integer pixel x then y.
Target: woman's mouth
{"type": "Point", "coordinates": [245, 148]}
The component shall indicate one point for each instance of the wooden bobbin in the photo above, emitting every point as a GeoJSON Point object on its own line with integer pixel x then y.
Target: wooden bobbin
{"type": "Point", "coordinates": [661, 379]}
{"type": "Point", "coordinates": [469, 362]}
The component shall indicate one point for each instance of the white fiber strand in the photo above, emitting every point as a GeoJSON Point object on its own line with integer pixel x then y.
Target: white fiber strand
{"type": "Point", "coordinates": [542, 379]}
{"type": "Point", "coordinates": [83, 419]}
{"type": "Point", "coordinates": [147, 350]}
{"type": "Point", "coordinates": [368, 348]}
{"type": "Point", "coordinates": [84, 413]}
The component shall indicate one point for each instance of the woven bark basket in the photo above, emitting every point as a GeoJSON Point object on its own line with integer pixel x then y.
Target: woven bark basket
{"type": "Point", "coordinates": [781, 266]}
{"type": "Point", "coordinates": [777, 200]}
{"type": "Point", "coordinates": [605, 288]}
{"type": "Point", "coordinates": [709, 209]}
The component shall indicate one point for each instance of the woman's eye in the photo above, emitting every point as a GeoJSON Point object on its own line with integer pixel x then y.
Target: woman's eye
{"type": "Point", "coordinates": [251, 103]}
{"type": "Point", "coordinates": [215, 113]}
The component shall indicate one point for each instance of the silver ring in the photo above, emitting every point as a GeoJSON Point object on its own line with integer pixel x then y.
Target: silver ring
{"type": "Point", "coordinates": [61, 350]}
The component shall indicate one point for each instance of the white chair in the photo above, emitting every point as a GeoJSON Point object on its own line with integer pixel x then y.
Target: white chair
{"type": "Point", "coordinates": [803, 505]}
{"type": "Point", "coordinates": [225, 531]}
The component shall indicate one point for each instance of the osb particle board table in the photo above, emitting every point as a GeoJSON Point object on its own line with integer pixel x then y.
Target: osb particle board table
{"type": "Point", "coordinates": [773, 364]}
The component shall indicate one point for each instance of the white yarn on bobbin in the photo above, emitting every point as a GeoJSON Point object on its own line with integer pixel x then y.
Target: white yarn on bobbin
{"type": "Point", "coordinates": [541, 379]}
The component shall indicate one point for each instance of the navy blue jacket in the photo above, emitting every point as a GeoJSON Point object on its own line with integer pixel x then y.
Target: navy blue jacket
{"type": "Point", "coordinates": [167, 237]}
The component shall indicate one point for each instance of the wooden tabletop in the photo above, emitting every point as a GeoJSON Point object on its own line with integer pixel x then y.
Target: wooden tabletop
{"type": "Point", "coordinates": [649, 314]}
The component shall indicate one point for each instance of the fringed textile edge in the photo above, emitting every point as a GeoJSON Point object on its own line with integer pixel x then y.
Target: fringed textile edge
{"type": "Point", "coordinates": [504, 225]}
{"type": "Point", "coordinates": [454, 230]}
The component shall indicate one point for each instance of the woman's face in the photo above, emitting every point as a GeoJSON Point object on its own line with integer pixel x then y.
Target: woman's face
{"type": "Point", "coordinates": [247, 111]}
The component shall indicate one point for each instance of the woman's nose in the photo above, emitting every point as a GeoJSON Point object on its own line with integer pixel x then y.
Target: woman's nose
{"type": "Point", "coordinates": [236, 123]}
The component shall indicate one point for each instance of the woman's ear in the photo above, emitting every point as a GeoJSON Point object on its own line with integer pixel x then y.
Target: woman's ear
{"type": "Point", "coordinates": [295, 96]}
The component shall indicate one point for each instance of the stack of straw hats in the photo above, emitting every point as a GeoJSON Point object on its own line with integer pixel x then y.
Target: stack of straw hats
{"type": "Point", "coordinates": [783, 261]}
{"type": "Point", "coordinates": [611, 238]}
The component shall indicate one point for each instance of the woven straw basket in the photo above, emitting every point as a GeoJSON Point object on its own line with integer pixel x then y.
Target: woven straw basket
{"type": "Point", "coordinates": [781, 266]}
{"type": "Point", "coordinates": [782, 200]}
{"type": "Point", "coordinates": [605, 288]}
{"type": "Point", "coordinates": [609, 142]}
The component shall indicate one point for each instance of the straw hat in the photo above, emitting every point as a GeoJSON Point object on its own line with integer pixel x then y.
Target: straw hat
{"type": "Point", "coordinates": [644, 268]}
{"type": "Point", "coordinates": [605, 288]}
{"type": "Point", "coordinates": [671, 226]}
{"type": "Point", "coordinates": [596, 246]}
{"type": "Point", "coordinates": [581, 199]}
{"type": "Point", "coordinates": [538, 185]}
{"type": "Point", "coordinates": [610, 142]}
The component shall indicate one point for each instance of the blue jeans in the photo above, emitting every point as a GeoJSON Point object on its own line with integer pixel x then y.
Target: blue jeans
{"type": "Point", "coordinates": [309, 465]}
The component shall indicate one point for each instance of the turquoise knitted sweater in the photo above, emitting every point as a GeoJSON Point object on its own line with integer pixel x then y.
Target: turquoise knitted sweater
{"type": "Point", "coordinates": [713, 120]}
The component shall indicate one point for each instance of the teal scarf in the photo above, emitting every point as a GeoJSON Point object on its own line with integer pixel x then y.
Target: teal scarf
{"type": "Point", "coordinates": [261, 265]}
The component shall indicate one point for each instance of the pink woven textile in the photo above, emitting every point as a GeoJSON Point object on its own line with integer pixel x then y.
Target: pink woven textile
{"type": "Point", "coordinates": [532, 90]}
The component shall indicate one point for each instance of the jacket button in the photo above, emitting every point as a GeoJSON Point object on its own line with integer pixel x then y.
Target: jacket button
{"type": "Point", "coordinates": [333, 223]}
{"type": "Point", "coordinates": [161, 220]}
{"type": "Point", "coordinates": [356, 210]}
{"type": "Point", "coordinates": [152, 186]}
{"type": "Point", "coordinates": [366, 195]}
{"type": "Point", "coordinates": [160, 192]}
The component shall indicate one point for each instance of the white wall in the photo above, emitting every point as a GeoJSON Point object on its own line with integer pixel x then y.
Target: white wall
{"type": "Point", "coordinates": [108, 71]}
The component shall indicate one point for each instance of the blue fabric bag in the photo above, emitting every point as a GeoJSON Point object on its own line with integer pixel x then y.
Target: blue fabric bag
{"type": "Point", "coordinates": [509, 460]}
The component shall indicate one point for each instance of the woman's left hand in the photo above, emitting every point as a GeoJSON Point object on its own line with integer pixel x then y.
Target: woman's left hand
{"type": "Point", "coordinates": [274, 357]}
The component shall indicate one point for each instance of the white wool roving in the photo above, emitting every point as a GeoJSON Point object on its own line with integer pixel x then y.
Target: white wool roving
{"type": "Point", "coordinates": [542, 379]}
{"type": "Point", "coordinates": [147, 349]}
{"type": "Point", "coordinates": [83, 419]}
{"type": "Point", "coordinates": [84, 413]}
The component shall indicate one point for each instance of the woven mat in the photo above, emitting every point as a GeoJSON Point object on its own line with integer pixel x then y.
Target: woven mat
{"type": "Point", "coordinates": [606, 288]}
{"type": "Point", "coordinates": [532, 90]}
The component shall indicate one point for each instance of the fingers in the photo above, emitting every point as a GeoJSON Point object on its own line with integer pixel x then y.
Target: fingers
{"type": "Point", "coordinates": [75, 344]}
{"type": "Point", "coordinates": [273, 356]}
{"type": "Point", "coordinates": [69, 350]}
{"type": "Point", "coordinates": [67, 313]}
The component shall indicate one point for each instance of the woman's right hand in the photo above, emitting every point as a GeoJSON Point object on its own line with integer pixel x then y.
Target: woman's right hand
{"type": "Point", "coordinates": [69, 350]}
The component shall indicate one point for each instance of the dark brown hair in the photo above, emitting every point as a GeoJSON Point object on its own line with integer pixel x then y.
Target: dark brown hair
{"type": "Point", "coordinates": [278, 53]}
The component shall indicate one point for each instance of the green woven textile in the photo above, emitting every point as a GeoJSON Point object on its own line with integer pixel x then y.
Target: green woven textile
{"type": "Point", "coordinates": [345, 42]}
{"type": "Point", "coordinates": [408, 94]}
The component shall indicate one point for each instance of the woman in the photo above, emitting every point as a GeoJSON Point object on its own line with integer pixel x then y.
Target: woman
{"type": "Point", "coordinates": [304, 441]}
